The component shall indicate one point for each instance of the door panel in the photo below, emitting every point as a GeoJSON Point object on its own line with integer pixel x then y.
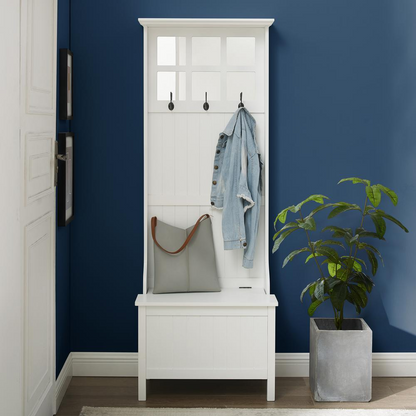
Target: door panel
{"type": "Point", "coordinates": [41, 56]}
{"type": "Point", "coordinates": [38, 308]}
{"type": "Point", "coordinates": [37, 141]}
{"type": "Point", "coordinates": [39, 169]}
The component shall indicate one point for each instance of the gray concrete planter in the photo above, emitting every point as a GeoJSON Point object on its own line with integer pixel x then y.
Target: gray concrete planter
{"type": "Point", "coordinates": [340, 361]}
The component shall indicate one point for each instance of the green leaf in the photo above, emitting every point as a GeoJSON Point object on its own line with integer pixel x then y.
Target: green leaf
{"type": "Point", "coordinates": [338, 295]}
{"type": "Point", "coordinates": [348, 261]}
{"type": "Point", "coordinates": [316, 198]}
{"type": "Point", "coordinates": [312, 289]}
{"type": "Point", "coordinates": [332, 243]}
{"type": "Point", "coordinates": [281, 239]}
{"type": "Point", "coordinates": [281, 216]}
{"type": "Point", "coordinates": [328, 252]}
{"type": "Point", "coordinates": [332, 269]}
{"type": "Point", "coordinates": [360, 232]}
{"type": "Point", "coordinates": [285, 227]}
{"type": "Point", "coordinates": [374, 194]}
{"type": "Point", "coordinates": [355, 300]}
{"type": "Point", "coordinates": [359, 277]}
{"type": "Point", "coordinates": [319, 208]}
{"type": "Point", "coordinates": [315, 304]}
{"type": "Point", "coordinates": [391, 194]}
{"type": "Point", "coordinates": [361, 294]}
{"type": "Point", "coordinates": [365, 246]}
{"type": "Point", "coordinates": [306, 289]}
{"type": "Point", "coordinates": [392, 219]}
{"type": "Point", "coordinates": [368, 208]}
{"type": "Point", "coordinates": [319, 291]}
{"type": "Point", "coordinates": [342, 274]}
{"type": "Point", "coordinates": [308, 224]}
{"type": "Point", "coordinates": [338, 231]}
{"type": "Point", "coordinates": [342, 208]}
{"type": "Point", "coordinates": [311, 257]}
{"type": "Point", "coordinates": [373, 261]}
{"type": "Point", "coordinates": [332, 282]}
{"type": "Point", "coordinates": [294, 253]}
{"type": "Point", "coordinates": [379, 223]}
{"type": "Point", "coordinates": [355, 180]}
{"type": "Point", "coordinates": [357, 266]}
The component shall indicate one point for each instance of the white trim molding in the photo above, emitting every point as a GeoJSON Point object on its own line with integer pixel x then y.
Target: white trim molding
{"type": "Point", "coordinates": [205, 22]}
{"type": "Point", "coordinates": [104, 364]}
{"type": "Point", "coordinates": [124, 364]}
{"type": "Point", "coordinates": [62, 382]}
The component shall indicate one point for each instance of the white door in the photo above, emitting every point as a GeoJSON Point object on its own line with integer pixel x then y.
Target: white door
{"type": "Point", "coordinates": [37, 209]}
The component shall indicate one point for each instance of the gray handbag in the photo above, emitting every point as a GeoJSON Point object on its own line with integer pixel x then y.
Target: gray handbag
{"type": "Point", "coordinates": [192, 267]}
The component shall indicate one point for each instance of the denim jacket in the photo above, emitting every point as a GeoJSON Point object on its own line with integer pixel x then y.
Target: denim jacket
{"type": "Point", "coordinates": [236, 184]}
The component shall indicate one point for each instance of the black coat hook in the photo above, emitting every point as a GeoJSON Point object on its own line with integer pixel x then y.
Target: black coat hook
{"type": "Point", "coordinates": [205, 106]}
{"type": "Point", "coordinates": [241, 101]}
{"type": "Point", "coordinates": [171, 106]}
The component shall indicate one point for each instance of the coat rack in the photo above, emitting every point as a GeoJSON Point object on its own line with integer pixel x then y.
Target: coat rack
{"type": "Point", "coordinates": [241, 101]}
{"type": "Point", "coordinates": [171, 106]}
{"type": "Point", "coordinates": [205, 106]}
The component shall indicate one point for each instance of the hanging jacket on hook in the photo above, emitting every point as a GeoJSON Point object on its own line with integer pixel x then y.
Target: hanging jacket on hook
{"type": "Point", "coordinates": [236, 184]}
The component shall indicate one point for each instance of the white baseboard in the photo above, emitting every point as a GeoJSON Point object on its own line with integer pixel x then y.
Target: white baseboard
{"type": "Point", "coordinates": [62, 382]}
{"type": "Point", "coordinates": [114, 364]}
{"type": "Point", "coordinates": [105, 364]}
{"type": "Point", "coordinates": [394, 364]}
{"type": "Point", "coordinates": [292, 364]}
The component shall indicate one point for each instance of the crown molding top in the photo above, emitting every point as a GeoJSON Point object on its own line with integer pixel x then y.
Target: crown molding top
{"type": "Point", "coordinates": [145, 22]}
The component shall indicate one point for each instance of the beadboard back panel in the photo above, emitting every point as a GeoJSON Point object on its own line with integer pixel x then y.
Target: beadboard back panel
{"type": "Point", "coordinates": [181, 152]}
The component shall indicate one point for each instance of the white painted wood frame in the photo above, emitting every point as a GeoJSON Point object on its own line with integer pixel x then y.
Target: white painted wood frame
{"type": "Point", "coordinates": [231, 334]}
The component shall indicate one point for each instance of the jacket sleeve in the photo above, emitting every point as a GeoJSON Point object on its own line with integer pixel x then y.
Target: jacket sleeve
{"type": "Point", "coordinates": [250, 187]}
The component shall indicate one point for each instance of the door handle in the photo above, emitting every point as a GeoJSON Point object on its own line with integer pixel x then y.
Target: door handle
{"type": "Point", "coordinates": [58, 156]}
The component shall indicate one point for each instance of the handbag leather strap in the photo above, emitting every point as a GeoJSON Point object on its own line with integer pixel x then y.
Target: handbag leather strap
{"type": "Point", "coordinates": [153, 223]}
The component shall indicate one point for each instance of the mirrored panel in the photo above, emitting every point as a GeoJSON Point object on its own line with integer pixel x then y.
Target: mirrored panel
{"type": "Point", "coordinates": [206, 51]}
{"type": "Point", "coordinates": [244, 82]}
{"type": "Point", "coordinates": [171, 50]}
{"type": "Point", "coordinates": [171, 82]}
{"type": "Point", "coordinates": [241, 51]}
{"type": "Point", "coordinates": [209, 82]}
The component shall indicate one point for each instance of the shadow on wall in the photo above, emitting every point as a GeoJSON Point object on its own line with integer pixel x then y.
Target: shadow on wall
{"type": "Point", "coordinates": [397, 284]}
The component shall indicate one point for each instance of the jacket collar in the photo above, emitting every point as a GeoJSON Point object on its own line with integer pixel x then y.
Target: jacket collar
{"type": "Point", "coordinates": [234, 126]}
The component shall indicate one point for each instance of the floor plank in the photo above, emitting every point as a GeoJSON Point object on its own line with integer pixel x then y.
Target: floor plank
{"type": "Point", "coordinates": [388, 393]}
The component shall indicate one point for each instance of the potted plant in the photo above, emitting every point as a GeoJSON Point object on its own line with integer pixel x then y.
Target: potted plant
{"type": "Point", "coordinates": [340, 349]}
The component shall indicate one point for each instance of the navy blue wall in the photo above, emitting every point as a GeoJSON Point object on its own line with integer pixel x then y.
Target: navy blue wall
{"type": "Point", "coordinates": [342, 103]}
{"type": "Point", "coordinates": [63, 345]}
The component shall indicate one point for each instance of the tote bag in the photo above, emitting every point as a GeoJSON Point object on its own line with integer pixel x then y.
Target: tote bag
{"type": "Point", "coordinates": [192, 266]}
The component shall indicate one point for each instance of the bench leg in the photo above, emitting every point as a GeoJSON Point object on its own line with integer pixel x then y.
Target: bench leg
{"type": "Point", "coordinates": [142, 354]}
{"type": "Point", "coordinates": [271, 389]}
{"type": "Point", "coordinates": [271, 330]}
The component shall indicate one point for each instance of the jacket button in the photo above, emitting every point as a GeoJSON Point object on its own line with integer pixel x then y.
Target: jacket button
{"type": "Point", "coordinates": [222, 136]}
{"type": "Point", "coordinates": [244, 244]}
{"type": "Point", "coordinates": [214, 182]}
{"type": "Point", "coordinates": [215, 167]}
{"type": "Point", "coordinates": [218, 152]}
{"type": "Point", "coordinates": [212, 203]}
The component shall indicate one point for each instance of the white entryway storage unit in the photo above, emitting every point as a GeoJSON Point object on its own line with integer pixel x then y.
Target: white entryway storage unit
{"type": "Point", "coordinates": [230, 334]}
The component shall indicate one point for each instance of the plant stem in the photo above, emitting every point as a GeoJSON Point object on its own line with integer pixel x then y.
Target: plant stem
{"type": "Point", "coordinates": [358, 239]}
{"type": "Point", "coordinates": [312, 248]}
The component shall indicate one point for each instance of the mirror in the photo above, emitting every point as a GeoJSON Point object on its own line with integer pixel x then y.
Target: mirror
{"type": "Point", "coordinates": [241, 51]}
{"type": "Point", "coordinates": [244, 82]}
{"type": "Point", "coordinates": [174, 82]}
{"type": "Point", "coordinates": [206, 51]}
{"type": "Point", "coordinates": [171, 50]}
{"type": "Point", "coordinates": [209, 82]}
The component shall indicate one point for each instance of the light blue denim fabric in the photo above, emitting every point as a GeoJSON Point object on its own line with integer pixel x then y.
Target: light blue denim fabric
{"type": "Point", "coordinates": [236, 184]}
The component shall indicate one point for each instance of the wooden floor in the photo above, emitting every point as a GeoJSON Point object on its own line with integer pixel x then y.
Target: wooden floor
{"type": "Point", "coordinates": [392, 393]}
